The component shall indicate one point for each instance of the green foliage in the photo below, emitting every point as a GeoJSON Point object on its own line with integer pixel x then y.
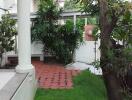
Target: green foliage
{"type": "Point", "coordinates": [71, 5]}
{"type": "Point", "coordinates": [59, 39]}
{"type": "Point", "coordinates": [115, 25]}
{"type": "Point", "coordinates": [92, 20]}
{"type": "Point", "coordinates": [123, 29]}
{"type": "Point", "coordinates": [45, 24]}
{"type": "Point", "coordinates": [7, 33]}
{"type": "Point", "coordinates": [96, 63]}
{"type": "Point", "coordinates": [69, 40]}
{"type": "Point", "coordinates": [122, 32]}
{"type": "Point", "coordinates": [96, 33]}
{"type": "Point", "coordinates": [80, 26]}
{"type": "Point", "coordinates": [89, 6]}
{"type": "Point", "coordinates": [118, 22]}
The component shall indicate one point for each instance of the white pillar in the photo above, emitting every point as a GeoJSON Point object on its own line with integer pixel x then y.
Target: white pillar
{"type": "Point", "coordinates": [86, 21]}
{"type": "Point", "coordinates": [74, 19]}
{"type": "Point", "coordinates": [24, 37]}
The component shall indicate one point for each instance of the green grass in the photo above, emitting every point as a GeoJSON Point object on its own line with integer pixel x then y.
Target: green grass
{"type": "Point", "coordinates": [86, 87]}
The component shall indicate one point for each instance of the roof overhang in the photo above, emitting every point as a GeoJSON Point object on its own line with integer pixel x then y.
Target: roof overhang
{"type": "Point", "coordinates": [64, 15]}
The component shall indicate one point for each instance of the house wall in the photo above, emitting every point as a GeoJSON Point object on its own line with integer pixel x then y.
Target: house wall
{"type": "Point", "coordinates": [12, 5]}
{"type": "Point", "coordinates": [86, 52]}
{"type": "Point", "coordinates": [37, 48]}
{"type": "Point", "coordinates": [1, 6]}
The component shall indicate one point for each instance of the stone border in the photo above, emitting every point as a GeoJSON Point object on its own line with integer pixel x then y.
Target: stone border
{"type": "Point", "coordinates": [8, 91]}
{"type": "Point", "coordinates": [7, 70]}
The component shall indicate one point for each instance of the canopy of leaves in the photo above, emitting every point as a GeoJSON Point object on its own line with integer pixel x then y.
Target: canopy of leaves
{"type": "Point", "coordinates": [59, 39]}
{"type": "Point", "coordinates": [7, 33]}
{"type": "Point", "coordinates": [115, 9]}
{"type": "Point", "coordinates": [115, 24]}
{"type": "Point", "coordinates": [123, 30]}
{"type": "Point", "coordinates": [44, 26]}
{"type": "Point", "coordinates": [71, 5]}
{"type": "Point", "coordinates": [67, 41]}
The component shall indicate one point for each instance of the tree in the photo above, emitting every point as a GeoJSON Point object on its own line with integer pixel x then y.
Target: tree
{"type": "Point", "coordinates": [109, 13]}
{"type": "Point", "coordinates": [7, 34]}
{"type": "Point", "coordinates": [71, 6]}
{"type": "Point", "coordinates": [44, 28]}
{"type": "Point", "coordinates": [69, 40]}
{"type": "Point", "coordinates": [59, 39]}
{"type": "Point", "coordinates": [44, 24]}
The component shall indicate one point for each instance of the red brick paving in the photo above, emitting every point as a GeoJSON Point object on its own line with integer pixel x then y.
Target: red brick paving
{"type": "Point", "coordinates": [54, 76]}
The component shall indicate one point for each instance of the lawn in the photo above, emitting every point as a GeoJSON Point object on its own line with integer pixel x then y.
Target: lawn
{"type": "Point", "coordinates": [86, 87]}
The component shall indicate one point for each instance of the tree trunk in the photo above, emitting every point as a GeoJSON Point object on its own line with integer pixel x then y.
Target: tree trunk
{"type": "Point", "coordinates": [0, 60]}
{"type": "Point", "coordinates": [113, 86]}
{"type": "Point", "coordinates": [110, 79]}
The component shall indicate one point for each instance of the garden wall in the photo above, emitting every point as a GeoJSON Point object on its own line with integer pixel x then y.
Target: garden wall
{"type": "Point", "coordinates": [86, 52]}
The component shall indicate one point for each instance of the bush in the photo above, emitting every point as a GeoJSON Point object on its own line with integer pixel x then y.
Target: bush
{"type": "Point", "coordinates": [62, 40]}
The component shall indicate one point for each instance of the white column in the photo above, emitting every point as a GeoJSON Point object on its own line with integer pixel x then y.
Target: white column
{"type": "Point", "coordinates": [24, 37]}
{"type": "Point", "coordinates": [86, 21]}
{"type": "Point", "coordinates": [74, 19]}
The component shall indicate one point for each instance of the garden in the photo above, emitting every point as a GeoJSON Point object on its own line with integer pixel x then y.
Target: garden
{"type": "Point", "coordinates": [112, 21]}
{"type": "Point", "coordinates": [112, 27]}
{"type": "Point", "coordinates": [86, 87]}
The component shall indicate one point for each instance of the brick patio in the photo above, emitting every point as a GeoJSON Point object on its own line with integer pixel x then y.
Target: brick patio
{"type": "Point", "coordinates": [54, 76]}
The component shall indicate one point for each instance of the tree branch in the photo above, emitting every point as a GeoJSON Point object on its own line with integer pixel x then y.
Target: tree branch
{"type": "Point", "coordinates": [115, 18]}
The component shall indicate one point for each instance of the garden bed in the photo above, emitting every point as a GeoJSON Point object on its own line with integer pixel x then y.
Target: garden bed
{"type": "Point", "coordinates": [86, 87]}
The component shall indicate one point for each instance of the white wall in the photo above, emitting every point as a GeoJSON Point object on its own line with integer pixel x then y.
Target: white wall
{"type": "Point", "coordinates": [37, 48]}
{"type": "Point", "coordinates": [12, 5]}
{"type": "Point", "coordinates": [1, 6]}
{"type": "Point", "coordinates": [86, 52]}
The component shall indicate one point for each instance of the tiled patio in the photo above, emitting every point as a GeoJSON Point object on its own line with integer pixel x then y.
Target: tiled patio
{"type": "Point", "coordinates": [54, 76]}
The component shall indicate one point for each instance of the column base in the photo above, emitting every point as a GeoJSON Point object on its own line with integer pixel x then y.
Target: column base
{"type": "Point", "coordinates": [25, 68]}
